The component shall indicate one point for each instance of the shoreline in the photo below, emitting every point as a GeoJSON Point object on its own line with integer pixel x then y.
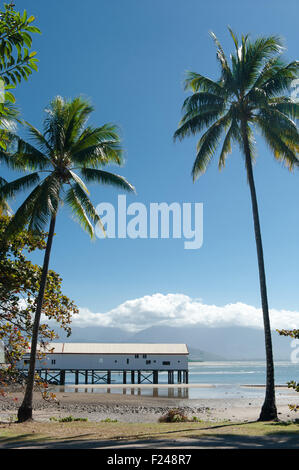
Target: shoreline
{"type": "Point", "coordinates": [132, 408]}
{"type": "Point", "coordinates": [171, 386]}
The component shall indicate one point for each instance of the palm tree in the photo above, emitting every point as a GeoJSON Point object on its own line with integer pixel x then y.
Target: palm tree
{"type": "Point", "coordinates": [248, 94]}
{"type": "Point", "coordinates": [65, 145]}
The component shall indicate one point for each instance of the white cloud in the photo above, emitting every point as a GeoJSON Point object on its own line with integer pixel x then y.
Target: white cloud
{"type": "Point", "coordinates": [181, 311]}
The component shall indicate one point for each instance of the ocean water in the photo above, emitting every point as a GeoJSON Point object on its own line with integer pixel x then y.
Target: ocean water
{"type": "Point", "coordinates": [214, 379]}
{"type": "Point", "coordinates": [229, 379]}
{"type": "Point", "coordinates": [239, 372]}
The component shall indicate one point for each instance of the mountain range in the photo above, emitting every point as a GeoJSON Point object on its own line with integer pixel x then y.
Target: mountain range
{"type": "Point", "coordinates": [204, 343]}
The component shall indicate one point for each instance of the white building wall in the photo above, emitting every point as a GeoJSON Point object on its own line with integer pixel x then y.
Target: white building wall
{"type": "Point", "coordinates": [111, 362]}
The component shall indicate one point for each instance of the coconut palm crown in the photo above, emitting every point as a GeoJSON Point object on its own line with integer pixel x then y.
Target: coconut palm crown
{"type": "Point", "coordinates": [249, 95]}
{"type": "Point", "coordinates": [66, 147]}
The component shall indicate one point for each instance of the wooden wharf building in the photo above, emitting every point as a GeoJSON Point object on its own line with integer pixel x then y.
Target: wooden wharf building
{"type": "Point", "coordinates": [97, 363]}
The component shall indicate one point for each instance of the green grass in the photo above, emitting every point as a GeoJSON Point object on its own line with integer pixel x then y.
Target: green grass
{"type": "Point", "coordinates": [73, 431]}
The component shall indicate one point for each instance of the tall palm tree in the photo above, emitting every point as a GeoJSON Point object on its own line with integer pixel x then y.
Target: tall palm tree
{"type": "Point", "coordinates": [249, 94]}
{"type": "Point", "coordinates": [65, 145]}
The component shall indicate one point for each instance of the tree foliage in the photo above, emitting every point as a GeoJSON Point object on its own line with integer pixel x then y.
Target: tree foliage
{"type": "Point", "coordinates": [19, 285]}
{"type": "Point", "coordinates": [250, 92]}
{"type": "Point", "coordinates": [292, 383]}
{"type": "Point", "coordinates": [65, 153]}
{"type": "Point", "coordinates": [17, 62]}
{"type": "Point", "coordinates": [292, 333]}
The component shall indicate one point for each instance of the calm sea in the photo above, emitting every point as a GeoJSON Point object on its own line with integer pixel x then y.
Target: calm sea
{"type": "Point", "coordinates": [217, 380]}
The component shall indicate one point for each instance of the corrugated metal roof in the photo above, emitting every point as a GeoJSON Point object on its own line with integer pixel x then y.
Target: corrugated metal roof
{"type": "Point", "coordinates": [118, 348]}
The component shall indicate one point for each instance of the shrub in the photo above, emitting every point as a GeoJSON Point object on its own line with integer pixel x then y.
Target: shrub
{"type": "Point", "coordinates": [67, 419]}
{"type": "Point", "coordinates": [174, 415]}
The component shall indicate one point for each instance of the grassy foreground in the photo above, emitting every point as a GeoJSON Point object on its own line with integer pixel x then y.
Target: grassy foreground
{"type": "Point", "coordinates": [55, 432]}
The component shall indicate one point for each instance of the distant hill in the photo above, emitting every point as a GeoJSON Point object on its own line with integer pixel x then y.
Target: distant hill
{"type": "Point", "coordinates": [197, 355]}
{"type": "Point", "coordinates": [204, 343]}
{"type": "Point", "coordinates": [232, 343]}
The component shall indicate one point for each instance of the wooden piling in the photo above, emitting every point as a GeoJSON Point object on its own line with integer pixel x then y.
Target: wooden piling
{"type": "Point", "coordinates": [62, 377]}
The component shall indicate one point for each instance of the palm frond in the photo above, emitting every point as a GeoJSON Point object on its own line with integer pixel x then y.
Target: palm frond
{"type": "Point", "coordinates": [39, 138]}
{"type": "Point", "coordinates": [54, 124]}
{"type": "Point", "coordinates": [208, 144]}
{"type": "Point", "coordinates": [281, 80]}
{"type": "Point", "coordinates": [4, 207]}
{"type": "Point", "coordinates": [78, 210]}
{"type": "Point", "coordinates": [227, 78]}
{"type": "Point", "coordinates": [200, 100]}
{"type": "Point", "coordinates": [195, 121]}
{"type": "Point", "coordinates": [46, 203]}
{"type": "Point", "coordinates": [78, 180]}
{"type": "Point", "coordinates": [21, 216]}
{"type": "Point", "coordinates": [282, 150]}
{"type": "Point", "coordinates": [98, 147]}
{"type": "Point", "coordinates": [105, 177]}
{"type": "Point", "coordinates": [86, 203]}
{"type": "Point", "coordinates": [288, 106]}
{"type": "Point", "coordinates": [257, 55]}
{"type": "Point", "coordinates": [78, 112]}
{"type": "Point", "coordinates": [196, 82]}
{"type": "Point", "coordinates": [8, 190]}
{"type": "Point", "coordinates": [27, 157]}
{"type": "Point", "coordinates": [280, 122]}
{"type": "Point", "coordinates": [232, 134]}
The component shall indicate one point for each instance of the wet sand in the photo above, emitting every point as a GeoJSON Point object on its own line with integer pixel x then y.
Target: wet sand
{"type": "Point", "coordinates": [131, 407]}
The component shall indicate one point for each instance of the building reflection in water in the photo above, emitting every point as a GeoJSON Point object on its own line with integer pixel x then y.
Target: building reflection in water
{"type": "Point", "coordinates": [157, 392]}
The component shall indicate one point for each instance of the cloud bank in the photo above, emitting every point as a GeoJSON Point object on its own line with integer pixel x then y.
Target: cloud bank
{"type": "Point", "coordinates": [179, 310]}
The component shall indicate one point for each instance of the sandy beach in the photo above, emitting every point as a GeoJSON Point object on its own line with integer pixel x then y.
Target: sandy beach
{"type": "Point", "coordinates": [129, 407]}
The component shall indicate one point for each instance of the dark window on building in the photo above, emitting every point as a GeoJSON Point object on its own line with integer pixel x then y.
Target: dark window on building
{"type": "Point", "coordinates": [128, 361]}
{"type": "Point", "coordinates": [144, 356]}
{"type": "Point", "coordinates": [115, 360]}
{"type": "Point", "coordinates": [148, 362]}
{"type": "Point", "coordinates": [53, 361]}
{"type": "Point", "coordinates": [136, 356]}
{"type": "Point", "coordinates": [166, 363]}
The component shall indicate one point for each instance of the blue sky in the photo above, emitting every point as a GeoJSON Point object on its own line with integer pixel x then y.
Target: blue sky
{"type": "Point", "coordinates": [129, 58]}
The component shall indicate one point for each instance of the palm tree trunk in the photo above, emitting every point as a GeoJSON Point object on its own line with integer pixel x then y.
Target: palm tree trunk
{"type": "Point", "coordinates": [25, 410]}
{"type": "Point", "coordinates": [268, 411]}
